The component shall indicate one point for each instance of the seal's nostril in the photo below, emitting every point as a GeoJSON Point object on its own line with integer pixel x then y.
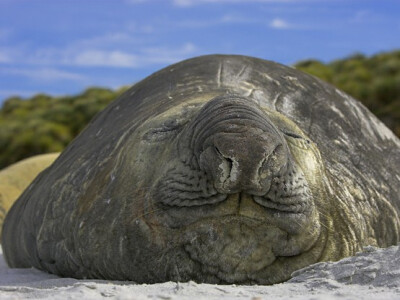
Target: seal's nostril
{"type": "Point", "coordinates": [278, 150]}
{"type": "Point", "coordinates": [218, 152]}
{"type": "Point", "coordinates": [228, 160]}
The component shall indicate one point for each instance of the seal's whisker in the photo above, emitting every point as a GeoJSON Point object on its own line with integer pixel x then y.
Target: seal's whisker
{"type": "Point", "coordinates": [323, 225]}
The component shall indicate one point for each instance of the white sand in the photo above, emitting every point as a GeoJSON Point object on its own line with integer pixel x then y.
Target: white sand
{"type": "Point", "coordinates": [373, 274]}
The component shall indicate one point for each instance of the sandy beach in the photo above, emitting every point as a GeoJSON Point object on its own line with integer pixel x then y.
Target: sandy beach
{"type": "Point", "coordinates": [372, 274]}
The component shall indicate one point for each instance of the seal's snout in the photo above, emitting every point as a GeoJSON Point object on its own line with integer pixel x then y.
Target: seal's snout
{"type": "Point", "coordinates": [233, 147]}
{"type": "Point", "coordinates": [238, 146]}
{"type": "Point", "coordinates": [244, 162]}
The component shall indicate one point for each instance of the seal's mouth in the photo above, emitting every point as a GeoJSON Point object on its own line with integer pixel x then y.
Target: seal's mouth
{"type": "Point", "coordinates": [296, 204]}
{"type": "Point", "coordinates": [292, 205]}
{"type": "Point", "coordinates": [292, 214]}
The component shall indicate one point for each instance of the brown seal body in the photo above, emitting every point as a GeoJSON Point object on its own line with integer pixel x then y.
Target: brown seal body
{"type": "Point", "coordinates": [219, 169]}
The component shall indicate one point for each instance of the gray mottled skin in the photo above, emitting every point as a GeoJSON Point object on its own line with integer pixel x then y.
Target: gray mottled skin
{"type": "Point", "coordinates": [220, 169]}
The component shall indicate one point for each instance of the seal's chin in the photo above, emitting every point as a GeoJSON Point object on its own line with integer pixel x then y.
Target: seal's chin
{"type": "Point", "coordinates": [245, 239]}
{"type": "Point", "coordinates": [242, 238]}
{"type": "Point", "coordinates": [238, 249]}
{"type": "Point", "coordinates": [232, 245]}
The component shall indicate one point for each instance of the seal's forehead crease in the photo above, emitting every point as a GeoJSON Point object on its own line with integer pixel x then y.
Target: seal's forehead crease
{"type": "Point", "coordinates": [180, 109]}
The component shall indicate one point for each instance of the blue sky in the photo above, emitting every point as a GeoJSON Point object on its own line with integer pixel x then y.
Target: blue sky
{"type": "Point", "coordinates": [64, 46]}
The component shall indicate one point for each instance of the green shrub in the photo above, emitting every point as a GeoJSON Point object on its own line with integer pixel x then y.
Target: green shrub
{"type": "Point", "coordinates": [45, 124]}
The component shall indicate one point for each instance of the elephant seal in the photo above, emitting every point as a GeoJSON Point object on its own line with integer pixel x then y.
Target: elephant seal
{"type": "Point", "coordinates": [16, 177]}
{"type": "Point", "coordinates": [218, 169]}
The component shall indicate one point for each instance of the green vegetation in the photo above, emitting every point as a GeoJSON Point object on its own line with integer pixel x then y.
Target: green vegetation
{"type": "Point", "coordinates": [44, 124]}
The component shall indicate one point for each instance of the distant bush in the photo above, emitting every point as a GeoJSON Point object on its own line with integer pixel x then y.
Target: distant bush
{"type": "Point", "coordinates": [44, 124]}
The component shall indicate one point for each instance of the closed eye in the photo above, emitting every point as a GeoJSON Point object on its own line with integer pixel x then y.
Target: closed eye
{"type": "Point", "coordinates": [169, 124]}
{"type": "Point", "coordinates": [293, 135]}
{"type": "Point", "coordinates": [163, 132]}
{"type": "Point", "coordinates": [298, 140]}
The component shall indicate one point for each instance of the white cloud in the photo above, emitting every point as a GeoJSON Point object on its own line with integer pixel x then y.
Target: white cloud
{"type": "Point", "coordinates": [9, 54]}
{"type": "Point", "coordinates": [184, 2]}
{"type": "Point", "coordinates": [43, 74]}
{"type": "Point", "coordinates": [133, 27]}
{"type": "Point", "coordinates": [98, 57]}
{"type": "Point", "coordinates": [360, 15]}
{"type": "Point", "coordinates": [132, 47]}
{"type": "Point", "coordinates": [4, 57]}
{"type": "Point", "coordinates": [279, 24]}
{"type": "Point", "coordinates": [115, 37]}
{"type": "Point", "coordinates": [127, 38]}
{"type": "Point", "coordinates": [104, 58]}
{"type": "Point", "coordinates": [142, 57]}
{"type": "Point", "coordinates": [230, 18]}
{"type": "Point", "coordinates": [276, 23]}
{"type": "Point", "coordinates": [166, 55]}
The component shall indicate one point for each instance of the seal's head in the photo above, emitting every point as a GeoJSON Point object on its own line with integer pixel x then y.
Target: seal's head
{"type": "Point", "coordinates": [234, 189]}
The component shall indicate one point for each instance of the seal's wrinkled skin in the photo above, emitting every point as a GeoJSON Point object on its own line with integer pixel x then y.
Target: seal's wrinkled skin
{"type": "Point", "coordinates": [219, 169]}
